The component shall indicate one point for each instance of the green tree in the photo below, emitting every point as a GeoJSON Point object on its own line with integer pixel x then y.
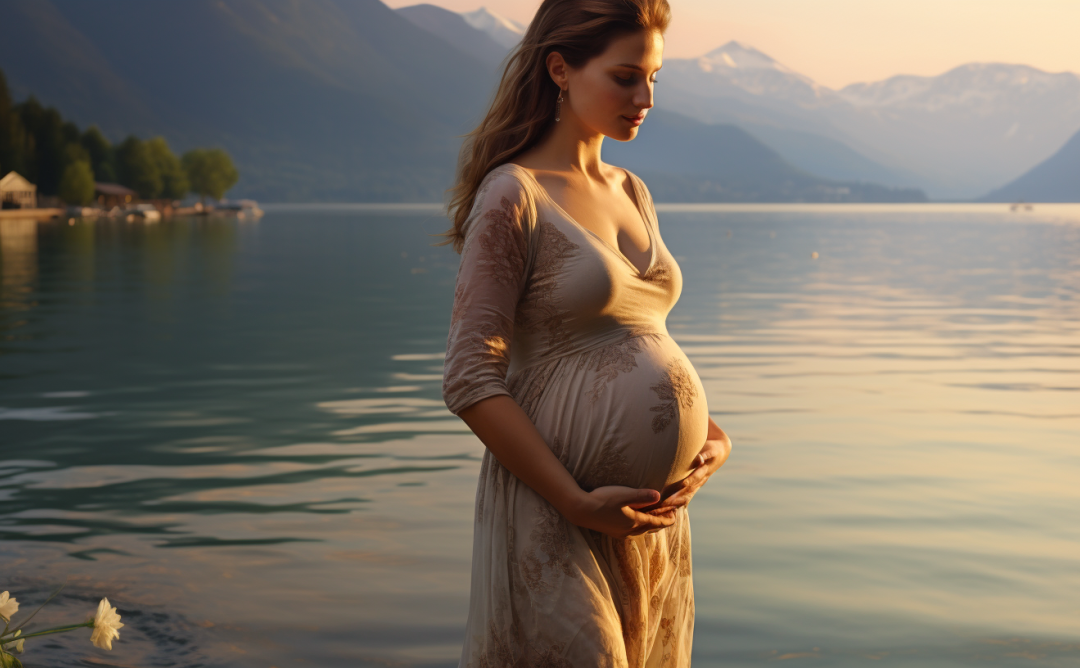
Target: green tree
{"type": "Point", "coordinates": [12, 134]}
{"type": "Point", "coordinates": [46, 151]}
{"type": "Point", "coordinates": [77, 183]}
{"type": "Point", "coordinates": [210, 171]}
{"type": "Point", "coordinates": [174, 179]}
{"type": "Point", "coordinates": [41, 159]}
{"type": "Point", "coordinates": [101, 154]}
{"type": "Point", "coordinates": [137, 169]}
{"type": "Point", "coordinates": [75, 153]}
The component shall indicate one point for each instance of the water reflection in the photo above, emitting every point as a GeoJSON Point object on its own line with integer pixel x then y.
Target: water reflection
{"type": "Point", "coordinates": [18, 268]}
{"type": "Point", "coordinates": [236, 433]}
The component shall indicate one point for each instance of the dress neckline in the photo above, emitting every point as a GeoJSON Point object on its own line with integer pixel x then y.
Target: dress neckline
{"type": "Point", "coordinates": [637, 204]}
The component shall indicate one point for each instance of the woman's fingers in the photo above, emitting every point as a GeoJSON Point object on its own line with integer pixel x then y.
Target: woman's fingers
{"type": "Point", "coordinates": [674, 501]}
{"type": "Point", "coordinates": [648, 521]}
{"type": "Point", "coordinates": [685, 491]}
{"type": "Point", "coordinates": [642, 497]}
{"type": "Point", "coordinates": [665, 513]}
{"type": "Point", "coordinates": [648, 528]}
{"type": "Point", "coordinates": [645, 523]}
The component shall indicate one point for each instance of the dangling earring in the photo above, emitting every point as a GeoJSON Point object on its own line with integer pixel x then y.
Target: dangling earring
{"type": "Point", "coordinates": [558, 106]}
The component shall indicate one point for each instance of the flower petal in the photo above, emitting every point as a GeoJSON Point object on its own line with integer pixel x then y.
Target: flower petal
{"type": "Point", "coordinates": [8, 606]}
{"type": "Point", "coordinates": [106, 625]}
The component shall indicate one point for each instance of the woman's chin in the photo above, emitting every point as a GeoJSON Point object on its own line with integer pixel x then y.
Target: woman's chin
{"type": "Point", "coordinates": [624, 134]}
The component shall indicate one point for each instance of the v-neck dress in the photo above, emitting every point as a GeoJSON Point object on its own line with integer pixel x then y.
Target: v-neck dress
{"type": "Point", "coordinates": [549, 313]}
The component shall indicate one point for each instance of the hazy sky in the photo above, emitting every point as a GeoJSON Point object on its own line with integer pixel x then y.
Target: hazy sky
{"type": "Point", "coordinates": [837, 42]}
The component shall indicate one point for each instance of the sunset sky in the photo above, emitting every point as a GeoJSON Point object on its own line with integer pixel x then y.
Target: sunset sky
{"type": "Point", "coordinates": [837, 42]}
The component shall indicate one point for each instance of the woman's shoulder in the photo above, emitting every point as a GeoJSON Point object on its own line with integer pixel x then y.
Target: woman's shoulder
{"type": "Point", "coordinates": [634, 178]}
{"type": "Point", "coordinates": [638, 184]}
{"type": "Point", "coordinates": [503, 182]}
{"type": "Point", "coordinates": [506, 194]}
{"type": "Point", "coordinates": [505, 177]}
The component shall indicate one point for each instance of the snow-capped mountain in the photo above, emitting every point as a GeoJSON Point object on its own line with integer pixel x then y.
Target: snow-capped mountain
{"type": "Point", "coordinates": [501, 29]}
{"type": "Point", "coordinates": [736, 68]}
{"type": "Point", "coordinates": [970, 129]}
{"type": "Point", "coordinates": [963, 132]}
{"type": "Point", "coordinates": [783, 108]}
{"type": "Point", "coordinates": [981, 88]}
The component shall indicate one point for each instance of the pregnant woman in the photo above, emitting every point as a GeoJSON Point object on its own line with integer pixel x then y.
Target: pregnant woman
{"type": "Point", "coordinates": [559, 359]}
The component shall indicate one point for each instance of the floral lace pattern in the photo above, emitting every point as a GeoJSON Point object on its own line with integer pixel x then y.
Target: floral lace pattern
{"type": "Point", "coordinates": [610, 468]}
{"type": "Point", "coordinates": [505, 649]}
{"type": "Point", "coordinates": [540, 307]}
{"type": "Point", "coordinates": [528, 385]}
{"type": "Point", "coordinates": [461, 306]}
{"type": "Point", "coordinates": [608, 361]}
{"type": "Point", "coordinates": [676, 391]}
{"type": "Point", "coordinates": [550, 547]}
{"type": "Point", "coordinates": [502, 245]}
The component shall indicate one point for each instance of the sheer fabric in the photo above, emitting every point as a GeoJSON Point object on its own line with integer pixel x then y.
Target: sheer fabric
{"type": "Point", "coordinates": [548, 313]}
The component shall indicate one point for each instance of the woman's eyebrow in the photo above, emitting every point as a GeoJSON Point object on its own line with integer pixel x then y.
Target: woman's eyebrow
{"type": "Point", "coordinates": [635, 67]}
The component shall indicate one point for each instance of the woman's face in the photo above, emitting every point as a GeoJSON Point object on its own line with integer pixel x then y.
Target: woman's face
{"type": "Point", "coordinates": [612, 92]}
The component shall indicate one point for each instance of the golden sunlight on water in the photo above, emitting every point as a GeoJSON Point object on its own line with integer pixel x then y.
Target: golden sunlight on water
{"type": "Point", "coordinates": [237, 435]}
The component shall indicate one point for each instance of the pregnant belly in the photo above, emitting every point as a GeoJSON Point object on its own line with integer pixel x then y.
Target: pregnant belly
{"type": "Point", "coordinates": [652, 423]}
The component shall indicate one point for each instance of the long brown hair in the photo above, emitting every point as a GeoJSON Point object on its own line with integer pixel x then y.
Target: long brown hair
{"type": "Point", "coordinates": [523, 109]}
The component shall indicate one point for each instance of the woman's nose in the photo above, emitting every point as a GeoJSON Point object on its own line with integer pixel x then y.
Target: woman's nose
{"type": "Point", "coordinates": [644, 97]}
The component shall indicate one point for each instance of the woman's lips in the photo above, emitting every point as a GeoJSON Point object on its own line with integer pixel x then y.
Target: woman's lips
{"type": "Point", "coordinates": [635, 120]}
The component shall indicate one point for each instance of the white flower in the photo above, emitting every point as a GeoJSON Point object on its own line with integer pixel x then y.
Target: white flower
{"type": "Point", "coordinates": [17, 647]}
{"type": "Point", "coordinates": [106, 625]}
{"type": "Point", "coordinates": [8, 606]}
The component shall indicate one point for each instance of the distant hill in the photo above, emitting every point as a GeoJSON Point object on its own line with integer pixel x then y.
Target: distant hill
{"type": "Point", "coordinates": [452, 27]}
{"type": "Point", "coordinates": [827, 157]}
{"type": "Point", "coordinates": [499, 28]}
{"type": "Point", "coordinates": [685, 160]}
{"type": "Point", "coordinates": [1057, 179]}
{"type": "Point", "coordinates": [325, 99]}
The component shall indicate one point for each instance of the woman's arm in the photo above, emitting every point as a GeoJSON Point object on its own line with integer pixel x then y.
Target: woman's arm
{"type": "Point", "coordinates": [501, 424]}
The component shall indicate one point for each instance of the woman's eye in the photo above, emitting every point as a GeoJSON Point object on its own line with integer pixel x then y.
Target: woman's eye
{"type": "Point", "coordinates": [629, 81]}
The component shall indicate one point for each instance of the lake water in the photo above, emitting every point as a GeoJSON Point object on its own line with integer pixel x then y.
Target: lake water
{"type": "Point", "coordinates": [235, 432]}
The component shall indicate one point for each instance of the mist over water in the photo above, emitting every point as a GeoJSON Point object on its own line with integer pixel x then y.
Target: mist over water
{"type": "Point", "coordinates": [235, 432]}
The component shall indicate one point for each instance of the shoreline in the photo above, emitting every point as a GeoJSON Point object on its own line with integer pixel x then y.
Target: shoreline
{"type": "Point", "coordinates": [30, 214]}
{"type": "Point", "coordinates": [1059, 208]}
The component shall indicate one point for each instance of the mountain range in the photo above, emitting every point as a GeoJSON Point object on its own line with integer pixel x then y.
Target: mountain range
{"type": "Point", "coordinates": [350, 100]}
{"type": "Point", "coordinates": [956, 135]}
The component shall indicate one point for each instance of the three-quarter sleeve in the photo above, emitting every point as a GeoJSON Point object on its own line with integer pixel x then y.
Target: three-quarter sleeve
{"type": "Point", "coordinates": [490, 280]}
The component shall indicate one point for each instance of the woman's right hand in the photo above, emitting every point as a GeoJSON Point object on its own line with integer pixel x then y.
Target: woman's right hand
{"type": "Point", "coordinates": [613, 510]}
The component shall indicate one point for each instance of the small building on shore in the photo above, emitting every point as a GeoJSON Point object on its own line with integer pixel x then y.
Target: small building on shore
{"type": "Point", "coordinates": [109, 195]}
{"type": "Point", "coordinates": [17, 193]}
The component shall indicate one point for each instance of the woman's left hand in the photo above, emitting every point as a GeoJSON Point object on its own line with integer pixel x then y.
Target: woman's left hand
{"type": "Point", "coordinates": [712, 457]}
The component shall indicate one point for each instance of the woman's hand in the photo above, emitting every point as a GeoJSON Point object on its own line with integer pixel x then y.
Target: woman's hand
{"type": "Point", "coordinates": [613, 510]}
{"type": "Point", "coordinates": [712, 457]}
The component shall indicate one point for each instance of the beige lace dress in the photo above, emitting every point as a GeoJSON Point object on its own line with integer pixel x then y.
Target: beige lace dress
{"type": "Point", "coordinates": [547, 312]}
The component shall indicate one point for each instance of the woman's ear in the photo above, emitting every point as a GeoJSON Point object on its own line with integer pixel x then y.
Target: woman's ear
{"type": "Point", "coordinates": [557, 69]}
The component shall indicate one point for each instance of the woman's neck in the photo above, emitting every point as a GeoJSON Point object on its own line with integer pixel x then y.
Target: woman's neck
{"type": "Point", "coordinates": [568, 147]}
